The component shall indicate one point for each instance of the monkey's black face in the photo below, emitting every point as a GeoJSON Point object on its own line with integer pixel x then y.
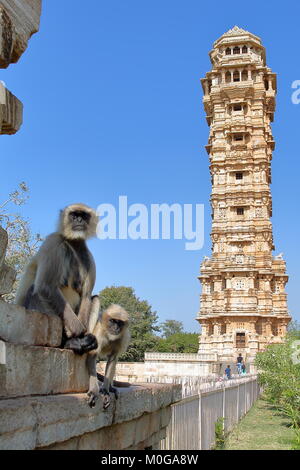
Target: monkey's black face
{"type": "Point", "coordinates": [79, 220]}
{"type": "Point", "coordinates": [115, 326]}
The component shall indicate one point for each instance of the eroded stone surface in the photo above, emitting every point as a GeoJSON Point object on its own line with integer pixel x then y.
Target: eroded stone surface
{"type": "Point", "coordinates": [21, 326]}
{"type": "Point", "coordinates": [7, 279]}
{"type": "Point", "coordinates": [35, 370]}
{"type": "Point", "coordinates": [19, 19]}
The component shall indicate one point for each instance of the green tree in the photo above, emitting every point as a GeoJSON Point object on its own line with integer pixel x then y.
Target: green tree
{"type": "Point", "coordinates": [142, 320]}
{"type": "Point", "coordinates": [179, 343]}
{"type": "Point", "coordinates": [171, 327]}
{"type": "Point", "coordinates": [21, 243]}
{"type": "Point", "coordinates": [294, 329]}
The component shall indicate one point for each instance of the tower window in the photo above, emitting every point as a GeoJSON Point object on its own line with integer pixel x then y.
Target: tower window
{"type": "Point", "coordinates": [238, 137]}
{"type": "Point", "coordinates": [237, 107]}
{"type": "Point", "coordinates": [244, 50]}
{"type": "Point", "coordinates": [228, 77]}
{"type": "Point", "coordinates": [244, 75]}
{"type": "Point", "coordinates": [236, 50]}
{"type": "Point", "coordinates": [228, 51]}
{"type": "Point", "coordinates": [239, 176]}
{"type": "Point", "coordinates": [236, 76]}
{"type": "Point", "coordinates": [240, 340]}
{"type": "Point", "coordinates": [240, 211]}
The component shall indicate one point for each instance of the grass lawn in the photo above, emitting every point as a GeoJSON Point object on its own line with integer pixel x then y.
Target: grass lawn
{"type": "Point", "coordinates": [263, 428]}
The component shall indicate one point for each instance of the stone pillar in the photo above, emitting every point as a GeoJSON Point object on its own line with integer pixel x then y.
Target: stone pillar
{"type": "Point", "coordinates": [216, 329]}
{"type": "Point", "coordinates": [251, 280]}
{"type": "Point", "coordinates": [268, 328]}
{"type": "Point", "coordinates": [270, 84]}
{"type": "Point", "coordinates": [283, 328]}
{"type": "Point", "coordinates": [204, 329]}
{"type": "Point", "coordinates": [228, 281]}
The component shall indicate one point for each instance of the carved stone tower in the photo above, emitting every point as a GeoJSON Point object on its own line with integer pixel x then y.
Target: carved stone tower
{"type": "Point", "coordinates": [243, 301]}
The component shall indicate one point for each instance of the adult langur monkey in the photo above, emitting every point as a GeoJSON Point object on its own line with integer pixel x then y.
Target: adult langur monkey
{"type": "Point", "coordinates": [112, 333]}
{"type": "Point", "coordinates": [60, 278]}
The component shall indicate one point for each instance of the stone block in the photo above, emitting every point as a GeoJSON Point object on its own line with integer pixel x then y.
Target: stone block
{"type": "Point", "coordinates": [7, 279]}
{"type": "Point", "coordinates": [21, 326]}
{"type": "Point", "coordinates": [11, 111]}
{"type": "Point", "coordinates": [34, 370]}
{"type": "Point", "coordinates": [19, 19]}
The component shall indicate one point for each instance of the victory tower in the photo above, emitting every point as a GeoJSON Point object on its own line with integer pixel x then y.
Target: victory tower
{"type": "Point", "coordinates": [243, 301]}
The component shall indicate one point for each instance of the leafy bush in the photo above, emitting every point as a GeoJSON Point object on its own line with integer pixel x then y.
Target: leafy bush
{"type": "Point", "coordinates": [279, 375]}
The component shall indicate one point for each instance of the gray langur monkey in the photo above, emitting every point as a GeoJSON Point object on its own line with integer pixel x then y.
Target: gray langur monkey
{"type": "Point", "coordinates": [112, 333]}
{"type": "Point", "coordinates": [60, 277]}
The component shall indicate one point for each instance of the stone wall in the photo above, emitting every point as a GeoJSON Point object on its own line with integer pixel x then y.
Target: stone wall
{"type": "Point", "coordinates": [138, 419]}
{"type": "Point", "coordinates": [166, 365]}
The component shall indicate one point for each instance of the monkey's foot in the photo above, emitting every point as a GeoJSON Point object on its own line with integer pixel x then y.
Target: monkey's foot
{"type": "Point", "coordinates": [92, 398]}
{"type": "Point", "coordinates": [82, 345]}
{"type": "Point", "coordinates": [106, 398]}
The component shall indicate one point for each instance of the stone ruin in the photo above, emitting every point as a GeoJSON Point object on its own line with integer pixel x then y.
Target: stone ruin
{"type": "Point", "coordinates": [42, 387]}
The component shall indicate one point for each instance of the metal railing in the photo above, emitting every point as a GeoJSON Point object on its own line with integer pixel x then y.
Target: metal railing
{"type": "Point", "coordinates": [192, 426]}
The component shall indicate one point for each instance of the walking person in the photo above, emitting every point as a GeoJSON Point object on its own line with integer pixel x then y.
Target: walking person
{"type": "Point", "coordinates": [228, 372]}
{"type": "Point", "coordinates": [239, 363]}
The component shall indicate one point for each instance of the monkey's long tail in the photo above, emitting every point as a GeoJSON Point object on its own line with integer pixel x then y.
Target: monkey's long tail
{"type": "Point", "coordinates": [116, 383]}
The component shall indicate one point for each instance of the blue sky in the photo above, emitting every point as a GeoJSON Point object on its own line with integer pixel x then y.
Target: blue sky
{"type": "Point", "coordinates": [113, 106]}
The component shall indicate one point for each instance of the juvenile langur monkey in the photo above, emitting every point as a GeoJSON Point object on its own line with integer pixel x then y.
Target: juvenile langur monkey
{"type": "Point", "coordinates": [112, 333]}
{"type": "Point", "coordinates": [60, 278]}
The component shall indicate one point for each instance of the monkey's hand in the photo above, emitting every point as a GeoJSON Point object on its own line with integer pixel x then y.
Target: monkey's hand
{"type": "Point", "coordinates": [82, 345]}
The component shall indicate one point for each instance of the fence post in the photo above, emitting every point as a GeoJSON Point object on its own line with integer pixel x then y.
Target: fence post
{"type": "Point", "coordinates": [238, 403]}
{"type": "Point", "coordinates": [224, 405]}
{"type": "Point", "coordinates": [200, 422]}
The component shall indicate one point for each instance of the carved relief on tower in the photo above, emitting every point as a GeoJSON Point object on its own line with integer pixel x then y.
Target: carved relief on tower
{"type": "Point", "coordinates": [259, 212]}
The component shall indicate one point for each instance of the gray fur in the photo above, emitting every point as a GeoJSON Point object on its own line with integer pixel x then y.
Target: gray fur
{"type": "Point", "coordinates": [60, 278]}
